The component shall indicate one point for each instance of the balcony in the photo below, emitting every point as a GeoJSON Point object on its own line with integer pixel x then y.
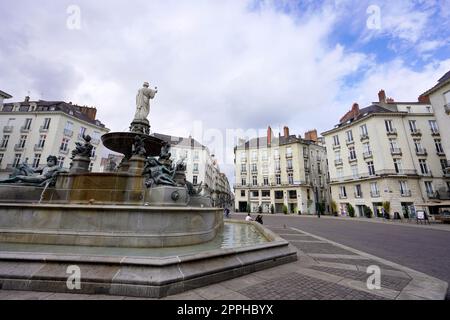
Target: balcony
{"type": "Point", "coordinates": [289, 169]}
{"type": "Point", "coordinates": [336, 146]}
{"type": "Point", "coordinates": [243, 172]}
{"type": "Point", "coordinates": [433, 195]}
{"type": "Point", "coordinates": [80, 137]}
{"type": "Point", "coordinates": [426, 174]}
{"type": "Point", "coordinates": [8, 129]}
{"type": "Point", "coordinates": [375, 194]}
{"type": "Point", "coordinates": [350, 142]}
{"type": "Point", "coordinates": [405, 193]}
{"type": "Point", "coordinates": [352, 159]}
{"type": "Point", "coordinates": [342, 196]}
{"type": "Point", "coordinates": [288, 155]}
{"type": "Point", "coordinates": [19, 147]}
{"type": "Point", "coordinates": [68, 133]}
{"type": "Point", "coordinates": [440, 153]}
{"type": "Point", "coordinates": [391, 132]}
{"type": "Point", "coordinates": [367, 155]}
{"type": "Point", "coordinates": [421, 152]}
{"type": "Point", "coordinates": [396, 151]}
{"type": "Point", "coordinates": [358, 195]}
{"type": "Point", "coordinates": [38, 148]}
{"type": "Point", "coordinates": [435, 132]}
{"type": "Point", "coordinates": [64, 151]}
{"type": "Point", "coordinates": [364, 137]}
{"type": "Point", "coordinates": [338, 162]}
{"type": "Point", "coordinates": [306, 155]}
{"type": "Point", "coordinates": [243, 160]}
{"type": "Point", "coordinates": [3, 148]}
{"type": "Point", "coordinates": [276, 157]}
{"type": "Point", "coordinates": [25, 129]}
{"type": "Point", "coordinates": [43, 129]}
{"type": "Point", "coordinates": [416, 133]}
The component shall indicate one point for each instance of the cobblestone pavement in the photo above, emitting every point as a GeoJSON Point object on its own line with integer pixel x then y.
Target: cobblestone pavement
{"type": "Point", "coordinates": [324, 271]}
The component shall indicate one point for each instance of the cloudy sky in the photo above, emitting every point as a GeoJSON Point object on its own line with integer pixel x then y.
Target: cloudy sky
{"type": "Point", "coordinates": [223, 65]}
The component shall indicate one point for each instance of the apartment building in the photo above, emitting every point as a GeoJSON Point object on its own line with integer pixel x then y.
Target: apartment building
{"type": "Point", "coordinates": [33, 130]}
{"type": "Point", "coordinates": [439, 97]}
{"type": "Point", "coordinates": [201, 167]}
{"type": "Point", "coordinates": [275, 173]}
{"type": "Point", "coordinates": [387, 152]}
{"type": "Point", "coordinates": [3, 96]}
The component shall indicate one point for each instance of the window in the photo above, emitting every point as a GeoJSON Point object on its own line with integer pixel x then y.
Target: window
{"type": "Point", "coordinates": [243, 168]}
{"type": "Point", "coordinates": [352, 153]}
{"type": "Point", "coordinates": [22, 142]}
{"type": "Point", "coordinates": [308, 194]}
{"type": "Point", "coordinates": [5, 141]}
{"type": "Point", "coordinates": [69, 126]}
{"type": "Point", "coordinates": [64, 144]}
{"type": "Point", "coordinates": [389, 126]}
{"type": "Point", "coordinates": [277, 165]}
{"type": "Point", "coordinates": [433, 126]}
{"type": "Point", "coordinates": [195, 180]}
{"type": "Point", "coordinates": [429, 187]}
{"type": "Point", "coordinates": [195, 167]}
{"type": "Point", "coordinates": [242, 193]}
{"type": "Point", "coordinates": [371, 168]}
{"type": "Point", "coordinates": [254, 167]}
{"type": "Point", "coordinates": [288, 152]}
{"type": "Point", "coordinates": [438, 144]}
{"type": "Point", "coordinates": [278, 195]}
{"type": "Point", "coordinates": [82, 131]}
{"type": "Point", "coordinates": [255, 180]}
{"type": "Point", "coordinates": [404, 190]}
{"type": "Point", "coordinates": [336, 140]}
{"type": "Point", "coordinates": [342, 192]}
{"type": "Point", "coordinates": [1, 158]}
{"type": "Point", "coordinates": [61, 161]}
{"type": "Point", "coordinates": [292, 194]}
{"type": "Point", "coordinates": [340, 173]}
{"type": "Point", "coordinates": [366, 148]}
{"type": "Point", "coordinates": [243, 156]}
{"type": "Point", "coordinates": [418, 145]}
{"type": "Point", "coordinates": [393, 144]}
{"type": "Point", "coordinates": [46, 125]}
{"type": "Point", "coordinates": [398, 166]}
{"type": "Point", "coordinates": [447, 97]}
{"type": "Point", "coordinates": [91, 165]}
{"type": "Point", "coordinates": [319, 167]}
{"type": "Point", "coordinates": [412, 126]}
{"type": "Point", "coordinates": [265, 167]}
{"type": "Point", "coordinates": [444, 164]}
{"type": "Point", "coordinates": [265, 193]}
{"type": "Point", "coordinates": [264, 155]}
{"type": "Point", "coordinates": [364, 132]}
{"type": "Point", "coordinates": [337, 155]}
{"type": "Point", "coordinates": [41, 142]}
{"type": "Point", "coordinates": [355, 173]}
{"type": "Point", "coordinates": [17, 157]}
{"type": "Point", "coordinates": [94, 150]}
{"type": "Point", "coordinates": [374, 189]}
{"type": "Point", "coordinates": [276, 153]}
{"type": "Point", "coordinates": [278, 179]}
{"type": "Point", "coordinates": [27, 124]}
{"type": "Point", "coordinates": [254, 155]}
{"type": "Point", "coordinates": [289, 164]}
{"type": "Point", "coordinates": [290, 178]}
{"type": "Point", "coordinates": [36, 160]}
{"type": "Point", "coordinates": [266, 181]}
{"type": "Point", "coordinates": [349, 136]}
{"type": "Point", "coordinates": [244, 181]}
{"type": "Point", "coordinates": [358, 191]}
{"type": "Point", "coordinates": [423, 166]}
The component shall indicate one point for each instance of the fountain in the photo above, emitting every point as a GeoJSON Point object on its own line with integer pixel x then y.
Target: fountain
{"type": "Point", "coordinates": [142, 230]}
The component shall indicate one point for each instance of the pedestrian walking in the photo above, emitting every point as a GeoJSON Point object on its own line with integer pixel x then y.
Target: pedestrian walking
{"type": "Point", "coordinates": [259, 219]}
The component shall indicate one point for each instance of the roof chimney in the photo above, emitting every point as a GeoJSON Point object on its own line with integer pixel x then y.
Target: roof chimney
{"type": "Point", "coordinates": [424, 99]}
{"type": "Point", "coordinates": [269, 136]}
{"type": "Point", "coordinates": [286, 132]}
{"type": "Point", "coordinates": [311, 135]}
{"type": "Point", "coordinates": [382, 96]}
{"type": "Point", "coordinates": [352, 114]}
{"type": "Point", "coordinates": [27, 99]}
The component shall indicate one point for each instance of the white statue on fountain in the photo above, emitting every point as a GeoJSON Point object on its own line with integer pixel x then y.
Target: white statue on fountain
{"type": "Point", "coordinates": [144, 95]}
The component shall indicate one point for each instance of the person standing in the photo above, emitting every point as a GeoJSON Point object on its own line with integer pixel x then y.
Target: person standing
{"type": "Point", "coordinates": [259, 219]}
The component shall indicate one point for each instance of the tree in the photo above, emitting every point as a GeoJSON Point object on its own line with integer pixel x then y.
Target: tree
{"type": "Point", "coordinates": [351, 210]}
{"type": "Point", "coordinates": [334, 207]}
{"type": "Point", "coordinates": [367, 212]}
{"type": "Point", "coordinates": [272, 209]}
{"type": "Point", "coordinates": [387, 208]}
{"type": "Point", "coordinates": [321, 207]}
{"type": "Point", "coordinates": [249, 207]}
{"type": "Point", "coordinates": [285, 209]}
{"type": "Point", "coordinates": [260, 209]}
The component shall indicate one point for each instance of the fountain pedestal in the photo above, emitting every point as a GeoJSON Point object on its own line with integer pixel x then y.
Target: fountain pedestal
{"type": "Point", "coordinates": [80, 164]}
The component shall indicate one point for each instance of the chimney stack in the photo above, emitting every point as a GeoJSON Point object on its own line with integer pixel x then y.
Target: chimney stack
{"type": "Point", "coordinates": [269, 136]}
{"type": "Point", "coordinates": [424, 99]}
{"type": "Point", "coordinates": [286, 132]}
{"type": "Point", "coordinates": [311, 135]}
{"type": "Point", "coordinates": [27, 99]}
{"type": "Point", "coordinates": [382, 96]}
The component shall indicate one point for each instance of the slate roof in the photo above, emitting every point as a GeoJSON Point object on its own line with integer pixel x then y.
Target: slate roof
{"type": "Point", "coordinates": [441, 82]}
{"type": "Point", "coordinates": [180, 141]}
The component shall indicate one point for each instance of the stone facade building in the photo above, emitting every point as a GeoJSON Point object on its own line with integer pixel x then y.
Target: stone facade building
{"type": "Point", "coordinates": [33, 130]}
{"type": "Point", "coordinates": [389, 152]}
{"type": "Point", "coordinates": [278, 173]}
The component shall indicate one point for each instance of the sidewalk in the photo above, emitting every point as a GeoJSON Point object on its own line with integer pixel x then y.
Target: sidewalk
{"type": "Point", "coordinates": [325, 270]}
{"type": "Point", "coordinates": [406, 223]}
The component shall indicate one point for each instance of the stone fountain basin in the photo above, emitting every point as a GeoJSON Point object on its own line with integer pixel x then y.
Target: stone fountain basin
{"type": "Point", "coordinates": [153, 273]}
{"type": "Point", "coordinates": [108, 225]}
{"type": "Point", "coordinates": [122, 142]}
